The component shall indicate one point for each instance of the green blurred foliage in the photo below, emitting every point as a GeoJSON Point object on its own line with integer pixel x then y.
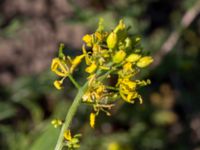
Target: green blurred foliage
{"type": "Point", "coordinates": [171, 103]}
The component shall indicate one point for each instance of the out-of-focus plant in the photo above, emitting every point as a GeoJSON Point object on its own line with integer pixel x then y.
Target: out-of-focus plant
{"type": "Point", "coordinates": [113, 54]}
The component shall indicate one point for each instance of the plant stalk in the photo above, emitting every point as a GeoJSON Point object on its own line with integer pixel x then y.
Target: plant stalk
{"type": "Point", "coordinates": [71, 112]}
{"type": "Point", "coordinates": [73, 108]}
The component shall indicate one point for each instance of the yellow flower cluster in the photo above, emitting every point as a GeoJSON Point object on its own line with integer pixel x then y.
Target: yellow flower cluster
{"type": "Point", "coordinates": [56, 122]}
{"type": "Point", "coordinates": [64, 66]}
{"type": "Point", "coordinates": [113, 54]}
{"type": "Point", "coordinates": [71, 142]}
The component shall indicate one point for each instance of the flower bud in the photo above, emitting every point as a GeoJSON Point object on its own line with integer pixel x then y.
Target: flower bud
{"type": "Point", "coordinates": [144, 61]}
{"type": "Point", "coordinates": [112, 40]}
{"type": "Point", "coordinates": [119, 56]}
{"type": "Point", "coordinates": [133, 58]}
{"type": "Point", "coordinates": [121, 31]}
{"type": "Point", "coordinates": [128, 42]}
{"type": "Point", "coordinates": [56, 123]}
{"type": "Point", "coordinates": [76, 61]}
{"type": "Point", "coordinates": [121, 26]}
{"type": "Point", "coordinates": [136, 40]}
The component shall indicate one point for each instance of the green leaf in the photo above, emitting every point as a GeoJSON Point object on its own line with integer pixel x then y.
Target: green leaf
{"type": "Point", "coordinates": [47, 140]}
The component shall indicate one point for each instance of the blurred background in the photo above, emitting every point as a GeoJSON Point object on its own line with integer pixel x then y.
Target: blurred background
{"type": "Point", "coordinates": [30, 32]}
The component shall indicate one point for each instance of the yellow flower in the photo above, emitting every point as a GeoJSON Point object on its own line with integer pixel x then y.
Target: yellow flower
{"type": "Point", "coordinates": [119, 56]}
{"type": "Point", "coordinates": [87, 39]}
{"type": "Point", "coordinates": [127, 90]}
{"type": "Point", "coordinates": [67, 135]}
{"type": "Point", "coordinates": [56, 123]}
{"type": "Point", "coordinates": [133, 58]}
{"type": "Point", "coordinates": [128, 96]}
{"type": "Point", "coordinates": [112, 40]}
{"type": "Point", "coordinates": [58, 84]}
{"type": "Point", "coordinates": [91, 68]}
{"type": "Point", "coordinates": [59, 68]}
{"type": "Point", "coordinates": [76, 61]}
{"type": "Point", "coordinates": [92, 119]}
{"type": "Point", "coordinates": [144, 61]}
{"type": "Point", "coordinates": [130, 84]}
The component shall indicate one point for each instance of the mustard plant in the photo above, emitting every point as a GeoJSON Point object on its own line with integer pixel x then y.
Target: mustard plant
{"type": "Point", "coordinates": [112, 53]}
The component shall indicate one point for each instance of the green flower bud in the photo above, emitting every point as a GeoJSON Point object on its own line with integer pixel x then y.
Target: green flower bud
{"type": "Point", "coordinates": [119, 56]}
{"type": "Point", "coordinates": [128, 42]}
{"type": "Point", "coordinates": [121, 26]}
{"type": "Point", "coordinates": [136, 40]}
{"type": "Point", "coordinates": [112, 40]}
{"type": "Point", "coordinates": [121, 31]}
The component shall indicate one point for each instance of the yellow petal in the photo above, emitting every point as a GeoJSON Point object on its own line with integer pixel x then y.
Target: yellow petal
{"type": "Point", "coordinates": [58, 84]}
{"type": "Point", "coordinates": [96, 48]}
{"type": "Point", "coordinates": [127, 67]}
{"type": "Point", "coordinates": [59, 68]}
{"type": "Point", "coordinates": [54, 64]}
{"type": "Point", "coordinates": [124, 97]}
{"type": "Point", "coordinates": [92, 119]}
{"type": "Point", "coordinates": [67, 135]}
{"type": "Point", "coordinates": [131, 84]}
{"type": "Point", "coordinates": [77, 59]}
{"type": "Point", "coordinates": [144, 61]}
{"type": "Point", "coordinates": [87, 39]}
{"type": "Point", "coordinates": [133, 58]}
{"type": "Point", "coordinates": [75, 62]}
{"type": "Point", "coordinates": [91, 68]}
{"type": "Point", "coordinates": [119, 56]}
{"type": "Point", "coordinates": [98, 36]}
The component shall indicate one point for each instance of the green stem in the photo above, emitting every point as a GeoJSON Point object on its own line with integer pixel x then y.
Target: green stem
{"type": "Point", "coordinates": [74, 81]}
{"type": "Point", "coordinates": [71, 112]}
{"type": "Point", "coordinates": [73, 108]}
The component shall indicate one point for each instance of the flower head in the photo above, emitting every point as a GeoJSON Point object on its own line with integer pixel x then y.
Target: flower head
{"type": "Point", "coordinates": [56, 122]}
{"type": "Point", "coordinates": [115, 54]}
